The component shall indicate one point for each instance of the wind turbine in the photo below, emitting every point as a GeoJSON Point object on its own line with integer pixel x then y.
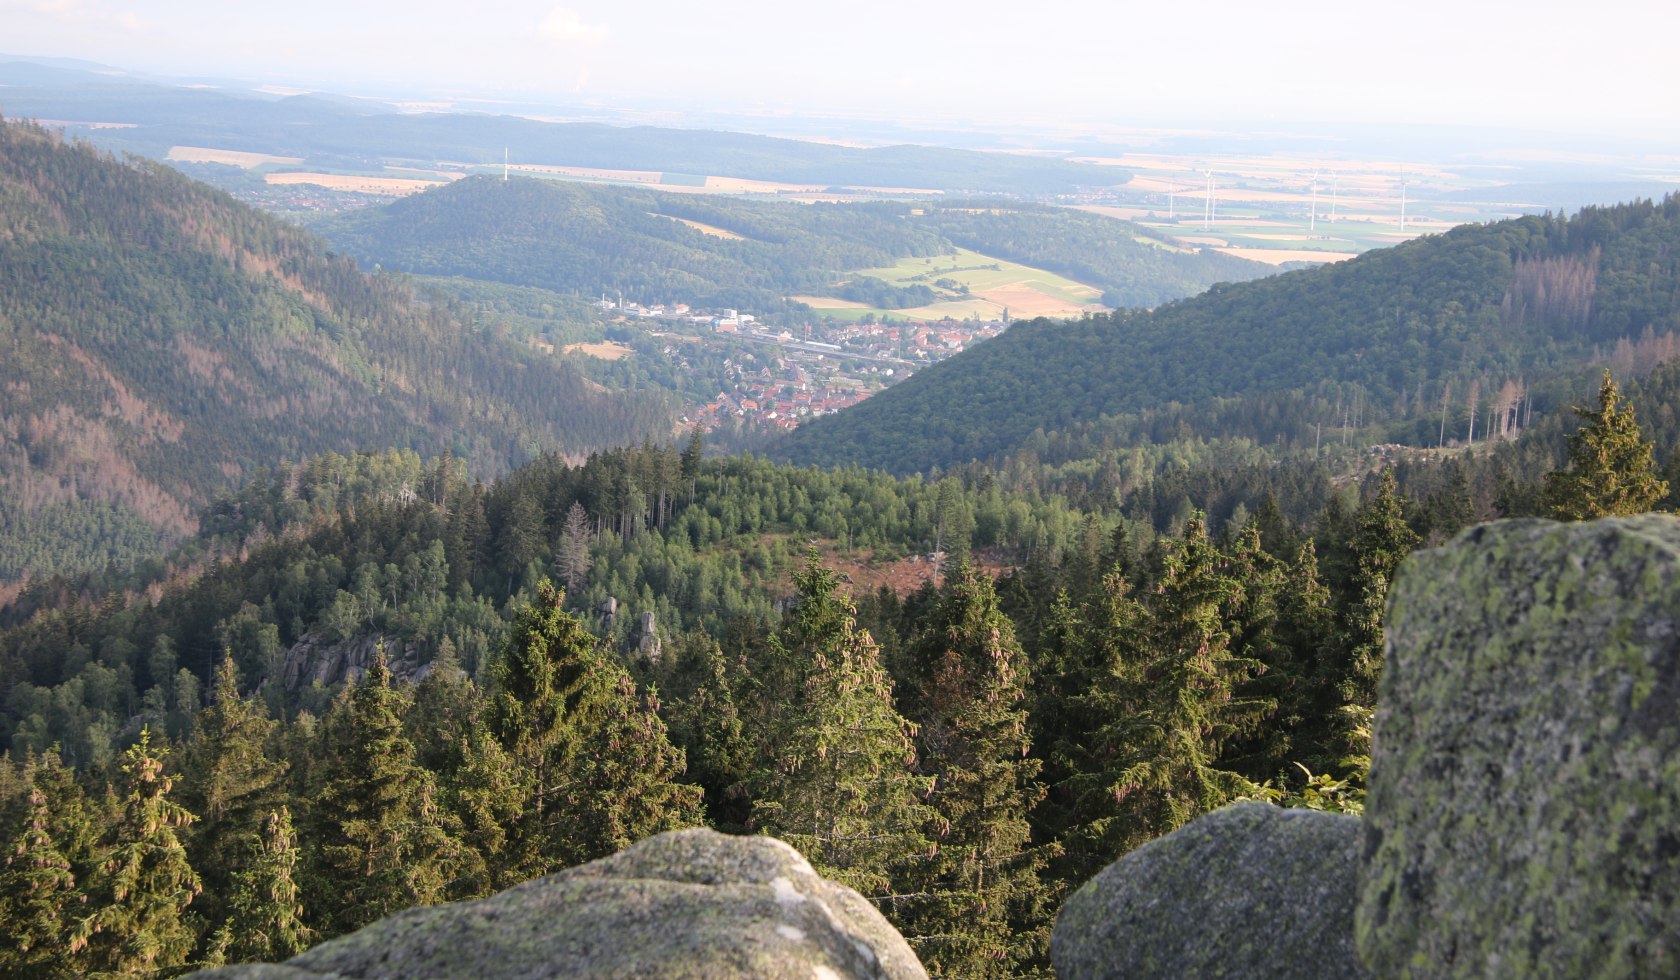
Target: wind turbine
{"type": "Point", "coordinates": [1402, 204]}
{"type": "Point", "coordinates": [1210, 205]}
{"type": "Point", "coordinates": [1312, 215]}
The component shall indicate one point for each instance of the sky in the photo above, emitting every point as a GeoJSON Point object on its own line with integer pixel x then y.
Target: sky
{"type": "Point", "coordinates": [1603, 67]}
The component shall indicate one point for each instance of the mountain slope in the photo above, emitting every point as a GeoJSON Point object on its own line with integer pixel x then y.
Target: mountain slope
{"type": "Point", "coordinates": [747, 254]}
{"type": "Point", "coordinates": [162, 341]}
{"type": "Point", "coordinates": [567, 236]}
{"type": "Point", "coordinates": [1403, 329]}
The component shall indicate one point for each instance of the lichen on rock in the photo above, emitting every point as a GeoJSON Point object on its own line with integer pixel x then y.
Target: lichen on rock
{"type": "Point", "coordinates": [1523, 817]}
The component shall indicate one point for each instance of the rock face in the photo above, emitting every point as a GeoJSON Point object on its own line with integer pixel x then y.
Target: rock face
{"type": "Point", "coordinates": [691, 903]}
{"type": "Point", "coordinates": [313, 659]}
{"type": "Point", "coordinates": [1524, 808]}
{"type": "Point", "coordinates": [1247, 891]}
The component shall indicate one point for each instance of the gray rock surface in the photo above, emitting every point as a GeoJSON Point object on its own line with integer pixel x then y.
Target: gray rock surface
{"type": "Point", "coordinates": [1250, 890]}
{"type": "Point", "coordinates": [1524, 807]}
{"type": "Point", "coordinates": [691, 903]}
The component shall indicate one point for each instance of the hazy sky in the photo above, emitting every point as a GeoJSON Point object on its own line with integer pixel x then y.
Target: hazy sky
{"type": "Point", "coordinates": [1605, 65]}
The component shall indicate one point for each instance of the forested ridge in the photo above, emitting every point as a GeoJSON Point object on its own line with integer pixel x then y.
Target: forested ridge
{"type": "Point", "coordinates": [596, 240]}
{"type": "Point", "coordinates": [181, 787]}
{"type": "Point", "coordinates": [162, 341]}
{"type": "Point", "coordinates": [1406, 341]}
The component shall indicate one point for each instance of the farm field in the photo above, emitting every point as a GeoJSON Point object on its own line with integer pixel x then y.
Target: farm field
{"type": "Point", "coordinates": [994, 285]}
{"type": "Point", "coordinates": [1281, 208]}
{"type": "Point", "coordinates": [232, 158]}
{"type": "Point", "coordinates": [356, 183]}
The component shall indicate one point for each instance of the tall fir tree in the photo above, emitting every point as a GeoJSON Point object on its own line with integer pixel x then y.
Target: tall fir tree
{"type": "Point", "coordinates": [709, 725]}
{"type": "Point", "coordinates": [487, 793]}
{"type": "Point", "coordinates": [975, 906]}
{"type": "Point", "coordinates": [1170, 708]}
{"type": "Point", "coordinates": [600, 769]}
{"type": "Point", "coordinates": [138, 924]}
{"type": "Point", "coordinates": [624, 784]}
{"type": "Point", "coordinates": [1610, 472]}
{"type": "Point", "coordinates": [839, 780]}
{"type": "Point", "coordinates": [266, 921]}
{"type": "Point", "coordinates": [379, 835]}
{"type": "Point", "coordinates": [229, 781]}
{"type": "Point", "coordinates": [1381, 541]}
{"type": "Point", "coordinates": [39, 900]}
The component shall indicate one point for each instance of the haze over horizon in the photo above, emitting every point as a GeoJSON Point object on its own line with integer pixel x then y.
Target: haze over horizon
{"type": "Point", "coordinates": [984, 63]}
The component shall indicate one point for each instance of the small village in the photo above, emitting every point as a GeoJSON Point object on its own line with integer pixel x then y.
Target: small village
{"type": "Point", "coordinates": [816, 368]}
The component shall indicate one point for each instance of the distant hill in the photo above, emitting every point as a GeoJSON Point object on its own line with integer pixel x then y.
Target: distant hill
{"type": "Point", "coordinates": [1394, 337]}
{"type": "Point", "coordinates": [714, 251]}
{"type": "Point", "coordinates": [162, 341]}
{"type": "Point", "coordinates": [343, 134]}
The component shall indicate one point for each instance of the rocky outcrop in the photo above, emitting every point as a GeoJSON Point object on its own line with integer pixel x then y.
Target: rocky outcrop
{"type": "Point", "coordinates": [687, 904]}
{"type": "Point", "coordinates": [1524, 808]}
{"type": "Point", "coordinates": [1247, 891]}
{"type": "Point", "coordinates": [314, 659]}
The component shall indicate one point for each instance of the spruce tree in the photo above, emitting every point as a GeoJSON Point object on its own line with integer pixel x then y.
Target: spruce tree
{"type": "Point", "coordinates": [1169, 712]}
{"type": "Point", "coordinates": [975, 905]}
{"type": "Point", "coordinates": [1307, 628]}
{"type": "Point", "coordinates": [266, 921]}
{"type": "Point", "coordinates": [1610, 472]}
{"type": "Point", "coordinates": [1381, 541]}
{"type": "Point", "coordinates": [599, 769]}
{"type": "Point", "coordinates": [39, 900]}
{"type": "Point", "coordinates": [708, 725]}
{"type": "Point", "coordinates": [376, 824]}
{"type": "Point", "coordinates": [624, 786]}
{"type": "Point", "coordinates": [230, 782]}
{"type": "Point", "coordinates": [839, 780]}
{"type": "Point", "coordinates": [140, 897]}
{"type": "Point", "coordinates": [487, 793]}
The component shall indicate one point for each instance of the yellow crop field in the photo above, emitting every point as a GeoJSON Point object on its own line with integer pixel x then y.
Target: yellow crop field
{"type": "Point", "coordinates": [235, 158]}
{"type": "Point", "coordinates": [354, 183]}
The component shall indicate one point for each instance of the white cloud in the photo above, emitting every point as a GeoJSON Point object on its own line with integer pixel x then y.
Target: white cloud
{"type": "Point", "coordinates": [566, 26]}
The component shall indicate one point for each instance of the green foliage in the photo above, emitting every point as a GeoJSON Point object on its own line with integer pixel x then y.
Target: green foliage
{"type": "Point", "coordinates": [1381, 540]}
{"type": "Point", "coordinates": [975, 905]}
{"type": "Point", "coordinates": [39, 901]}
{"type": "Point", "coordinates": [1169, 702]}
{"type": "Point", "coordinates": [838, 780]}
{"type": "Point", "coordinates": [376, 827]}
{"type": "Point", "coordinates": [1610, 470]}
{"type": "Point", "coordinates": [266, 923]}
{"type": "Point", "coordinates": [600, 772]}
{"type": "Point", "coordinates": [230, 781]}
{"type": "Point", "coordinates": [137, 923]}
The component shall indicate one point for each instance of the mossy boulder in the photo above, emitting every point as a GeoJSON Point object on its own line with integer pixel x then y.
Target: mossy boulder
{"type": "Point", "coordinates": [1523, 817]}
{"type": "Point", "coordinates": [1249, 890]}
{"type": "Point", "coordinates": [691, 903]}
